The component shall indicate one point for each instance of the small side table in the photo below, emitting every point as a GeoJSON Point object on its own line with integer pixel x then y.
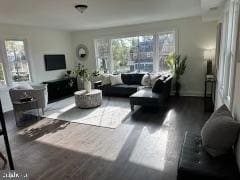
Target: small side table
{"type": "Point", "coordinates": [20, 107]}
{"type": "Point", "coordinates": [209, 94]}
{"type": "Point", "coordinates": [86, 100]}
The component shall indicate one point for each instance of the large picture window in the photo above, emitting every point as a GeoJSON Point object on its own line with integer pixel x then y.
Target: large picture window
{"type": "Point", "coordinates": [134, 54]}
{"type": "Point", "coordinates": [17, 60]}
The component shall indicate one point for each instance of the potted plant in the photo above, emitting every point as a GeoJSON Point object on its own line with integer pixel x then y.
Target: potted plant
{"type": "Point", "coordinates": [85, 76]}
{"type": "Point", "coordinates": [178, 67]}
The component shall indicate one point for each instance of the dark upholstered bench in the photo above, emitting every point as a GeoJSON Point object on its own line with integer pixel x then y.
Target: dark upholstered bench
{"type": "Point", "coordinates": [196, 164]}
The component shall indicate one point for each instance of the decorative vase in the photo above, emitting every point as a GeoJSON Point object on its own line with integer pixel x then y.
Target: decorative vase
{"type": "Point", "coordinates": [87, 86]}
{"type": "Point", "coordinates": [178, 88]}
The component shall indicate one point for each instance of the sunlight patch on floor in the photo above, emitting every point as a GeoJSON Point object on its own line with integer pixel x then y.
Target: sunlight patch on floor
{"type": "Point", "coordinates": [110, 114]}
{"type": "Point", "coordinates": [170, 118]}
{"type": "Point", "coordinates": [150, 149]}
{"type": "Point", "coordinates": [107, 147]}
{"type": "Point", "coordinates": [67, 108]}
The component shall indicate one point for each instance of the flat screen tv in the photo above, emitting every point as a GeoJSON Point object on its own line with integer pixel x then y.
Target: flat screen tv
{"type": "Point", "coordinates": [55, 62]}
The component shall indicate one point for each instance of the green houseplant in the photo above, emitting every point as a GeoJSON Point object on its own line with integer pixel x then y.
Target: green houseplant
{"type": "Point", "coordinates": [84, 75]}
{"type": "Point", "coordinates": [178, 67]}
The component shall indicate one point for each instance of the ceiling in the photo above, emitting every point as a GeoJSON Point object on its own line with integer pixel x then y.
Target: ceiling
{"type": "Point", "coordinates": [61, 14]}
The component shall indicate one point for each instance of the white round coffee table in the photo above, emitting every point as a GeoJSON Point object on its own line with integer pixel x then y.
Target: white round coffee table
{"type": "Point", "coordinates": [86, 100]}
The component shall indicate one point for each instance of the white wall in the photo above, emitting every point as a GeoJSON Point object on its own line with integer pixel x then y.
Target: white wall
{"type": "Point", "coordinates": [193, 37]}
{"type": "Point", "coordinates": [40, 41]}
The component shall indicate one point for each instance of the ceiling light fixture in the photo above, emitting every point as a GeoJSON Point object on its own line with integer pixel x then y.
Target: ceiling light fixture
{"type": "Point", "coordinates": [81, 7]}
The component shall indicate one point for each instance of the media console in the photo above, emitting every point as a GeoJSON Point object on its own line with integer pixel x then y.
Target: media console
{"type": "Point", "coordinates": [61, 88]}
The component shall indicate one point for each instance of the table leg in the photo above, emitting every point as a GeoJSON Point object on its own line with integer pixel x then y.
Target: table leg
{"type": "Point", "coordinates": [38, 110]}
{"type": "Point", "coordinates": [16, 117]}
{"type": "Point", "coordinates": [132, 107]}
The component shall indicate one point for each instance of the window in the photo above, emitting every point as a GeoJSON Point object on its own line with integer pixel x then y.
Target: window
{"type": "Point", "coordinates": [124, 54]}
{"type": "Point", "coordinates": [166, 43]}
{"type": "Point", "coordinates": [17, 60]}
{"type": "Point", "coordinates": [2, 77]}
{"type": "Point", "coordinates": [146, 53]}
{"type": "Point", "coordinates": [102, 51]}
{"type": "Point", "coordinates": [228, 52]}
{"type": "Point", "coordinates": [134, 54]}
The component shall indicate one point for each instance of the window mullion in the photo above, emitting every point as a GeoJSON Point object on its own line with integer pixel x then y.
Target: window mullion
{"type": "Point", "coordinates": [111, 63]}
{"type": "Point", "coordinates": [8, 76]}
{"type": "Point", "coordinates": [156, 53]}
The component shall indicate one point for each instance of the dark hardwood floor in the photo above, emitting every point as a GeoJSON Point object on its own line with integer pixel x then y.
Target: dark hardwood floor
{"type": "Point", "coordinates": [144, 147]}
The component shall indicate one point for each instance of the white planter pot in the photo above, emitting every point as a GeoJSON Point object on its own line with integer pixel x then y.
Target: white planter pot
{"type": "Point", "coordinates": [87, 86]}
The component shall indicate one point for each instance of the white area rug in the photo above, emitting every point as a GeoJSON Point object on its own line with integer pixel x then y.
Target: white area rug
{"type": "Point", "coordinates": [110, 114]}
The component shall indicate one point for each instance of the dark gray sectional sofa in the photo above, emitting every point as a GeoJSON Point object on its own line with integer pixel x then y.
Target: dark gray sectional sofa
{"type": "Point", "coordinates": [138, 94]}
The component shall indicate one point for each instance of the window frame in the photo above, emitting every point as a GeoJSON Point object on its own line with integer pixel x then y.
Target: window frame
{"type": "Point", "coordinates": [8, 74]}
{"type": "Point", "coordinates": [155, 45]}
{"type": "Point", "coordinates": [109, 50]}
{"type": "Point", "coordinates": [3, 61]}
{"type": "Point", "coordinates": [228, 54]}
{"type": "Point", "coordinates": [157, 60]}
{"type": "Point", "coordinates": [138, 53]}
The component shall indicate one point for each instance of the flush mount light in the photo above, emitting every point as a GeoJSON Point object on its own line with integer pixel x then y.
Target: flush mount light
{"type": "Point", "coordinates": [81, 7]}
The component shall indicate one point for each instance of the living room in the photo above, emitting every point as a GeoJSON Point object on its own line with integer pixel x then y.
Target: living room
{"type": "Point", "coordinates": [116, 89]}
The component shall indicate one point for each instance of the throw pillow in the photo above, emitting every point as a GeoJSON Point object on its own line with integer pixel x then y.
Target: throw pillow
{"type": "Point", "coordinates": [158, 85]}
{"type": "Point", "coordinates": [146, 80]}
{"type": "Point", "coordinates": [153, 78]}
{"type": "Point", "coordinates": [105, 79]}
{"type": "Point", "coordinates": [220, 132]}
{"type": "Point", "coordinates": [115, 79]}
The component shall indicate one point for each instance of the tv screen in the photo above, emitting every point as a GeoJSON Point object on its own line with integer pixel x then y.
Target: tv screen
{"type": "Point", "coordinates": [55, 62]}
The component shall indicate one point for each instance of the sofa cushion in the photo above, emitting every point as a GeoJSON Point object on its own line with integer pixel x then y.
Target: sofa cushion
{"type": "Point", "coordinates": [126, 78]}
{"type": "Point", "coordinates": [145, 93]}
{"type": "Point", "coordinates": [123, 90]}
{"type": "Point", "coordinates": [220, 132]}
{"type": "Point", "coordinates": [137, 78]}
{"type": "Point", "coordinates": [195, 163]}
{"type": "Point", "coordinates": [132, 78]}
{"type": "Point", "coordinates": [125, 86]}
{"type": "Point", "coordinates": [145, 97]}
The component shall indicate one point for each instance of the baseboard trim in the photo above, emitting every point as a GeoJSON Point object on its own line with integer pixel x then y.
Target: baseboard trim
{"type": "Point", "coordinates": [190, 93]}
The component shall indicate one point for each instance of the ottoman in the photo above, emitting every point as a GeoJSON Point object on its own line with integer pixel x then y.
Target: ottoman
{"type": "Point", "coordinates": [86, 100]}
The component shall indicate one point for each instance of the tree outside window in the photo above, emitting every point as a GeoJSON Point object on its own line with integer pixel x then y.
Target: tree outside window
{"type": "Point", "coordinates": [166, 46]}
{"type": "Point", "coordinates": [135, 54]}
{"type": "Point", "coordinates": [2, 77]}
{"type": "Point", "coordinates": [17, 60]}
